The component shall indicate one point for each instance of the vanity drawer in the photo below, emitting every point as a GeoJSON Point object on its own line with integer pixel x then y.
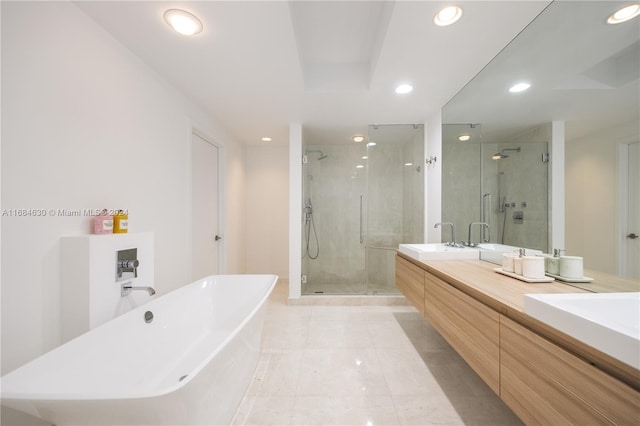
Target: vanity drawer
{"type": "Point", "coordinates": [410, 282]}
{"type": "Point", "coordinates": [544, 384]}
{"type": "Point", "coordinates": [470, 327]}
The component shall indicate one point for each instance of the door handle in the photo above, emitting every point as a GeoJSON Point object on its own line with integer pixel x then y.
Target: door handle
{"type": "Point", "coordinates": [218, 238]}
{"type": "Point", "coordinates": [633, 236]}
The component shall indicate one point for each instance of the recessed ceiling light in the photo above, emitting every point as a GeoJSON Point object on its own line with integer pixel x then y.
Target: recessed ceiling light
{"type": "Point", "coordinates": [364, 157]}
{"type": "Point", "coordinates": [447, 16]}
{"type": "Point", "coordinates": [358, 138]}
{"type": "Point", "coordinates": [266, 139]}
{"type": "Point", "coordinates": [404, 88]}
{"type": "Point", "coordinates": [359, 166]}
{"type": "Point", "coordinates": [371, 144]}
{"type": "Point", "coordinates": [183, 22]}
{"type": "Point", "coordinates": [624, 14]}
{"type": "Point", "coordinates": [408, 164]}
{"type": "Point", "coordinates": [464, 138]}
{"type": "Point", "coordinates": [519, 87]}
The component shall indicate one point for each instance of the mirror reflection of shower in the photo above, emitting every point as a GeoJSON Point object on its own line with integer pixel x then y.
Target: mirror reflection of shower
{"type": "Point", "coordinates": [502, 182]}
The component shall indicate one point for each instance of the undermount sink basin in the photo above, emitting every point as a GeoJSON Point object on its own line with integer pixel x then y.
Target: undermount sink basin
{"type": "Point", "coordinates": [608, 322]}
{"type": "Point", "coordinates": [438, 251]}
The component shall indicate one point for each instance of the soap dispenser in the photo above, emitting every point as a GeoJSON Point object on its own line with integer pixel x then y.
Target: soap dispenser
{"type": "Point", "coordinates": [517, 262]}
{"type": "Point", "coordinates": [103, 223]}
{"type": "Point", "coordinates": [120, 222]}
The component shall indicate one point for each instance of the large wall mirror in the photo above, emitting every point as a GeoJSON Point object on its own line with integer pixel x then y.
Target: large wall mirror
{"type": "Point", "coordinates": [584, 77]}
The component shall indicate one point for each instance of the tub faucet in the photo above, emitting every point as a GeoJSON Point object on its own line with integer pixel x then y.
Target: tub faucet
{"type": "Point", "coordinates": [127, 288]}
{"type": "Point", "coordinates": [451, 243]}
{"type": "Point", "coordinates": [469, 243]}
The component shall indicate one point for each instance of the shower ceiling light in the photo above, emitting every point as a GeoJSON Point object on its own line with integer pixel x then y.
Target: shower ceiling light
{"type": "Point", "coordinates": [266, 139]}
{"type": "Point", "coordinates": [447, 16]}
{"type": "Point", "coordinates": [183, 22]}
{"type": "Point", "coordinates": [464, 138]}
{"type": "Point", "coordinates": [519, 87]}
{"type": "Point", "coordinates": [624, 14]}
{"type": "Point", "coordinates": [358, 138]}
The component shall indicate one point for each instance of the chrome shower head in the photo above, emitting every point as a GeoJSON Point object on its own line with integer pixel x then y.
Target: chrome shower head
{"type": "Point", "coordinates": [501, 155]}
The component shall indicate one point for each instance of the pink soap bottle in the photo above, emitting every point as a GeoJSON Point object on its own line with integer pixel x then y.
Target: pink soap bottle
{"type": "Point", "coordinates": [103, 223]}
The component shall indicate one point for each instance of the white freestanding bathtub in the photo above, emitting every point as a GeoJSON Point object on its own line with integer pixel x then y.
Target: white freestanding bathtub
{"type": "Point", "coordinates": [190, 365]}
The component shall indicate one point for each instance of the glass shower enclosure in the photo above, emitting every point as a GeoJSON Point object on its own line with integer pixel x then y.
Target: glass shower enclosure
{"type": "Point", "coordinates": [360, 200]}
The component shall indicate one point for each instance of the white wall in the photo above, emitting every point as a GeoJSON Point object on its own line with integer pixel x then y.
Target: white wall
{"type": "Point", "coordinates": [591, 206]}
{"type": "Point", "coordinates": [87, 125]}
{"type": "Point", "coordinates": [267, 214]}
{"type": "Point", "coordinates": [433, 178]}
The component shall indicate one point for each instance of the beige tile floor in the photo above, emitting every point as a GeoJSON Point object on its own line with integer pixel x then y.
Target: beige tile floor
{"type": "Point", "coordinates": [362, 365]}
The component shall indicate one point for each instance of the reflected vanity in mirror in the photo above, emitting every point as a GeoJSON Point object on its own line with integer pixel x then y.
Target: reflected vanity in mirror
{"type": "Point", "coordinates": [503, 151]}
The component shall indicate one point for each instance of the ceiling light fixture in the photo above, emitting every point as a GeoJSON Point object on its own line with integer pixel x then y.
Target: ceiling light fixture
{"type": "Point", "coordinates": [404, 88]}
{"type": "Point", "coordinates": [464, 138]}
{"type": "Point", "coordinates": [358, 138]}
{"type": "Point", "coordinates": [447, 16]}
{"type": "Point", "coordinates": [371, 144]}
{"type": "Point", "coordinates": [183, 22]}
{"type": "Point", "coordinates": [520, 87]}
{"type": "Point", "coordinates": [624, 14]}
{"type": "Point", "coordinates": [266, 139]}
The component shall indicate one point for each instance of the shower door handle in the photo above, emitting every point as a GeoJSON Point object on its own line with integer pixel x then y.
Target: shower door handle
{"type": "Point", "coordinates": [486, 216]}
{"type": "Point", "coordinates": [361, 219]}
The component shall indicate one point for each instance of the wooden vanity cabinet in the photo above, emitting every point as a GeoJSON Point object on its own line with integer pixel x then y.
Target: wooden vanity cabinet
{"type": "Point", "coordinates": [541, 381]}
{"type": "Point", "coordinates": [410, 282]}
{"type": "Point", "coordinates": [546, 385]}
{"type": "Point", "coordinates": [470, 327]}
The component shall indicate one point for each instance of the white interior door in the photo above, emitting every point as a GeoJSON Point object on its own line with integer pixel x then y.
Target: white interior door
{"type": "Point", "coordinates": [631, 245]}
{"type": "Point", "coordinates": [204, 208]}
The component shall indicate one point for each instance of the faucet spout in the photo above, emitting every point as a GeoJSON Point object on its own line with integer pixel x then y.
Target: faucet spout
{"type": "Point", "coordinates": [469, 243]}
{"type": "Point", "coordinates": [127, 288]}
{"type": "Point", "coordinates": [452, 243]}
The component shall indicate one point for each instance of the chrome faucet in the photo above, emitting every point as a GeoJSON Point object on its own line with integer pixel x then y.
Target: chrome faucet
{"type": "Point", "coordinates": [469, 243]}
{"type": "Point", "coordinates": [451, 243]}
{"type": "Point", "coordinates": [127, 288]}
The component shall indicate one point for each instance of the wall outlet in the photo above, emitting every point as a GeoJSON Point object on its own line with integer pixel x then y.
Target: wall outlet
{"type": "Point", "coordinates": [303, 278]}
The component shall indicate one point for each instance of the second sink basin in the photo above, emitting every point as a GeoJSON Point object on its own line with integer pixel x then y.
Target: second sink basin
{"type": "Point", "coordinates": [438, 251]}
{"type": "Point", "coordinates": [606, 321]}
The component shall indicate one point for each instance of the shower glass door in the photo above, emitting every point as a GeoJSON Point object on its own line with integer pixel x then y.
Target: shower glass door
{"type": "Point", "coordinates": [334, 183]}
{"type": "Point", "coordinates": [360, 200]}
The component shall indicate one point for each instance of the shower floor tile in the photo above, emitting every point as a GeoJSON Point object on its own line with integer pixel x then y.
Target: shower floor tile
{"type": "Point", "coordinates": [362, 365]}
